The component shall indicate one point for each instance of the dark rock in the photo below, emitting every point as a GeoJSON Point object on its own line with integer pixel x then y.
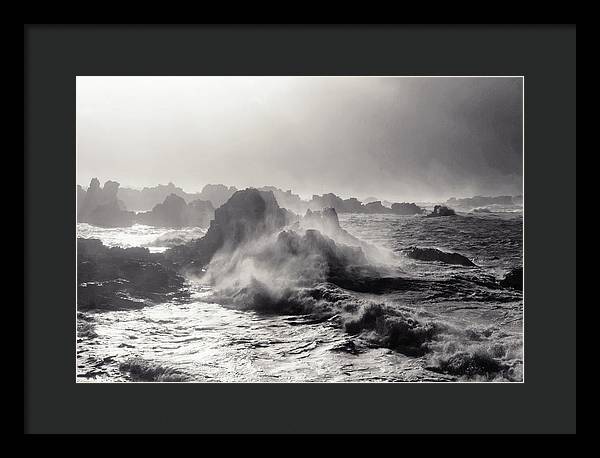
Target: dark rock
{"type": "Point", "coordinates": [353, 205]}
{"type": "Point", "coordinates": [433, 254]}
{"type": "Point", "coordinates": [116, 278]}
{"type": "Point", "coordinates": [405, 208]}
{"type": "Point", "coordinates": [441, 210]}
{"type": "Point", "coordinates": [513, 279]}
{"type": "Point", "coordinates": [376, 208]}
{"type": "Point", "coordinates": [174, 212]}
{"type": "Point", "coordinates": [247, 215]}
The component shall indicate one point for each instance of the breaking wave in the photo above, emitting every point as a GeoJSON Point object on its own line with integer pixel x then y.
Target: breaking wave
{"type": "Point", "coordinates": [146, 371]}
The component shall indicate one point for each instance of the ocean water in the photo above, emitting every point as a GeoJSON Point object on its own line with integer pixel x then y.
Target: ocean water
{"type": "Point", "coordinates": [202, 341]}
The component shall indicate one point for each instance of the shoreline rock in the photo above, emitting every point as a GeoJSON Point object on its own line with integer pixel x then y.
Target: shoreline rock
{"type": "Point", "coordinates": [433, 254]}
{"type": "Point", "coordinates": [441, 210]}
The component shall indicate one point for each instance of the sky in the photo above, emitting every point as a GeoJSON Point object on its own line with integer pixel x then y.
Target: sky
{"type": "Point", "coordinates": [397, 139]}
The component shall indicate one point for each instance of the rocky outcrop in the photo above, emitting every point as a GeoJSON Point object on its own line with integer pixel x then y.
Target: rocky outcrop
{"type": "Point", "coordinates": [327, 222]}
{"type": "Point", "coordinates": [142, 200]}
{"type": "Point", "coordinates": [99, 206]}
{"type": "Point", "coordinates": [175, 213]}
{"type": "Point", "coordinates": [118, 278]}
{"type": "Point", "coordinates": [145, 199]}
{"type": "Point", "coordinates": [287, 199]}
{"type": "Point", "coordinates": [199, 213]}
{"type": "Point", "coordinates": [353, 205]}
{"type": "Point", "coordinates": [247, 215]}
{"type": "Point", "coordinates": [513, 279]}
{"type": "Point", "coordinates": [217, 194]}
{"type": "Point", "coordinates": [433, 254]}
{"type": "Point", "coordinates": [441, 210]}
{"type": "Point", "coordinates": [376, 208]}
{"type": "Point", "coordinates": [405, 208]}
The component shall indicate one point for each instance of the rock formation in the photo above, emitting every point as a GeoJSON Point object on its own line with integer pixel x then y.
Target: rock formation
{"type": "Point", "coordinates": [100, 206]}
{"type": "Point", "coordinates": [376, 208]}
{"type": "Point", "coordinates": [288, 200]}
{"type": "Point", "coordinates": [433, 254]}
{"type": "Point", "coordinates": [146, 198]}
{"type": "Point", "coordinates": [117, 278]}
{"type": "Point", "coordinates": [441, 210]}
{"type": "Point", "coordinates": [174, 212]}
{"type": "Point", "coordinates": [217, 194]}
{"type": "Point", "coordinates": [353, 205]}
{"type": "Point", "coordinates": [405, 208]}
{"type": "Point", "coordinates": [247, 215]}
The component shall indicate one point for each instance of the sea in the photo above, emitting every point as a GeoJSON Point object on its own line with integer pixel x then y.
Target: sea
{"type": "Point", "coordinates": [203, 341]}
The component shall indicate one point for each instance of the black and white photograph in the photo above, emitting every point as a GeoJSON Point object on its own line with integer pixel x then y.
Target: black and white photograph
{"type": "Point", "coordinates": [296, 229]}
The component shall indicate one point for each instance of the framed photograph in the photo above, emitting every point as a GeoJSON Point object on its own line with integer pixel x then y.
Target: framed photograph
{"type": "Point", "coordinates": [306, 244]}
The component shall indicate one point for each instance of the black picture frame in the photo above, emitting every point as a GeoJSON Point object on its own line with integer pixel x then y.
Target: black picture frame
{"type": "Point", "coordinates": [544, 55]}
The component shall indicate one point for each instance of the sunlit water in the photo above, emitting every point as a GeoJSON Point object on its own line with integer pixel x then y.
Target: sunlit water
{"type": "Point", "coordinates": [156, 239]}
{"type": "Point", "coordinates": [206, 342]}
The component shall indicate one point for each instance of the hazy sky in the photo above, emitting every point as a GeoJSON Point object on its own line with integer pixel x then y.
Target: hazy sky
{"type": "Point", "coordinates": [393, 138]}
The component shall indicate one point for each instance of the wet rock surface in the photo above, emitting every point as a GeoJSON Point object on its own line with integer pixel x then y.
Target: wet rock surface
{"type": "Point", "coordinates": [433, 254]}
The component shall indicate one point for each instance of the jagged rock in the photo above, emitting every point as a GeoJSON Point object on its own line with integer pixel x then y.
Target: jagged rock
{"type": "Point", "coordinates": [247, 215]}
{"type": "Point", "coordinates": [217, 194]}
{"type": "Point", "coordinates": [146, 198]}
{"type": "Point", "coordinates": [377, 208]}
{"type": "Point", "coordinates": [405, 208]}
{"type": "Point", "coordinates": [175, 213]}
{"type": "Point", "coordinates": [199, 213]}
{"type": "Point", "coordinates": [353, 205]}
{"type": "Point", "coordinates": [481, 210]}
{"type": "Point", "coordinates": [441, 210]}
{"type": "Point", "coordinates": [286, 199]}
{"type": "Point", "coordinates": [100, 206]}
{"type": "Point", "coordinates": [513, 279]}
{"type": "Point", "coordinates": [114, 278]}
{"type": "Point", "coordinates": [326, 221]}
{"type": "Point", "coordinates": [433, 254]}
{"type": "Point", "coordinates": [170, 213]}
